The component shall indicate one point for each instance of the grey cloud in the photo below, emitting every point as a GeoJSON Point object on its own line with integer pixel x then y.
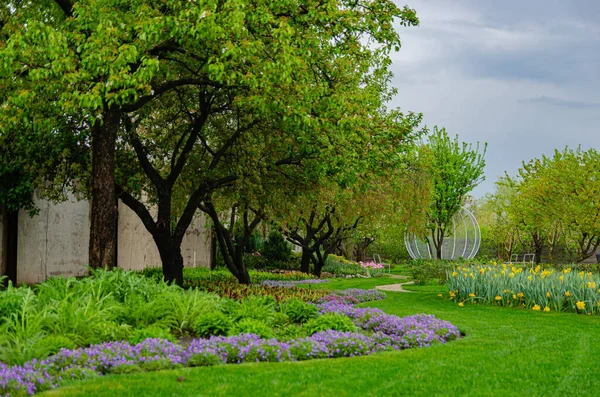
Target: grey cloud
{"type": "Point", "coordinates": [523, 76]}
{"type": "Point", "coordinates": [566, 103]}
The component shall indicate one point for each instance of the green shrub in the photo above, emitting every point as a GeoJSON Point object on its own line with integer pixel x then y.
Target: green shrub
{"type": "Point", "coordinates": [341, 267]}
{"type": "Point", "coordinates": [252, 326]}
{"type": "Point", "coordinates": [158, 365]}
{"type": "Point", "coordinates": [254, 307]}
{"type": "Point", "coordinates": [290, 332]}
{"type": "Point", "coordinates": [299, 311]}
{"type": "Point", "coordinates": [154, 331]}
{"type": "Point", "coordinates": [215, 323]}
{"type": "Point", "coordinates": [126, 369]}
{"type": "Point", "coordinates": [254, 261]}
{"type": "Point", "coordinates": [189, 306]}
{"type": "Point", "coordinates": [423, 271]}
{"type": "Point", "coordinates": [334, 321]}
{"type": "Point", "coordinates": [280, 319]}
{"type": "Point", "coordinates": [204, 359]}
{"type": "Point", "coordinates": [276, 248]}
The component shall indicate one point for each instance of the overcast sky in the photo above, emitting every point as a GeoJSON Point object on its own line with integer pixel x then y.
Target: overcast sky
{"type": "Point", "coordinates": [521, 75]}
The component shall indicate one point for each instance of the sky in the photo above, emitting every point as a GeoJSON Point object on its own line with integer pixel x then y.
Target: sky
{"type": "Point", "coordinates": [521, 75]}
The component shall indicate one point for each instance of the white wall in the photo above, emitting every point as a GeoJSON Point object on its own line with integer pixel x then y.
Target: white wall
{"type": "Point", "coordinates": [55, 242]}
{"type": "Point", "coordinates": [137, 249]}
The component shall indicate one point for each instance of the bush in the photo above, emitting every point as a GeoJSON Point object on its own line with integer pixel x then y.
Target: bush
{"type": "Point", "coordinates": [341, 267]}
{"type": "Point", "coordinates": [290, 332]}
{"type": "Point", "coordinates": [204, 359]}
{"type": "Point", "coordinates": [276, 248]}
{"type": "Point", "coordinates": [254, 307]}
{"type": "Point", "coordinates": [423, 271]}
{"type": "Point", "coordinates": [153, 331]}
{"type": "Point", "coordinates": [215, 323]}
{"type": "Point", "coordinates": [253, 326]}
{"type": "Point", "coordinates": [333, 321]}
{"type": "Point", "coordinates": [298, 311]}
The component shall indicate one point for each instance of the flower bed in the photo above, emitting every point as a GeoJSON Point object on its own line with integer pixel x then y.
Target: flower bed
{"type": "Point", "coordinates": [374, 331]}
{"type": "Point", "coordinates": [535, 288]}
{"type": "Point", "coordinates": [291, 284]}
{"type": "Point", "coordinates": [234, 290]}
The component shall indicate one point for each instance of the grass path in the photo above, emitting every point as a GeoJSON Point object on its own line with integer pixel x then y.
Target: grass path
{"type": "Point", "coordinates": [506, 352]}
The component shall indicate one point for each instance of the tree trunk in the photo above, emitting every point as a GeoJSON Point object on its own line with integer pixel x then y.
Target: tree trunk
{"type": "Point", "coordinates": [305, 260]}
{"type": "Point", "coordinates": [103, 228]}
{"type": "Point", "coordinates": [10, 222]}
{"type": "Point", "coordinates": [232, 250]}
{"type": "Point", "coordinates": [172, 260]}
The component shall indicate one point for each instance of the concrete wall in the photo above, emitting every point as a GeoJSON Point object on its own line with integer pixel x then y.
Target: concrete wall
{"type": "Point", "coordinates": [137, 250]}
{"type": "Point", "coordinates": [55, 242]}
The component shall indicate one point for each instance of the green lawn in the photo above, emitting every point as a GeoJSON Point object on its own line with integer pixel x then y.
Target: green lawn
{"type": "Point", "coordinates": [506, 352]}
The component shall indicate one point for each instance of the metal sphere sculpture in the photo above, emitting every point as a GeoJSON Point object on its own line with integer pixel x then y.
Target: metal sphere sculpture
{"type": "Point", "coordinates": [463, 242]}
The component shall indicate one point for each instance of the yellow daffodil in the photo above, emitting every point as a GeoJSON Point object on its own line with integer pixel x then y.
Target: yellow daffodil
{"type": "Point", "coordinates": [461, 304]}
{"type": "Point", "coordinates": [546, 309]}
{"type": "Point", "coordinates": [498, 298]}
{"type": "Point", "coordinates": [562, 278]}
{"type": "Point", "coordinates": [514, 296]}
{"type": "Point", "coordinates": [440, 295]}
{"type": "Point", "coordinates": [472, 295]}
{"type": "Point", "coordinates": [511, 275]}
{"type": "Point", "coordinates": [529, 278]}
{"type": "Point", "coordinates": [451, 294]}
{"type": "Point", "coordinates": [591, 285]}
{"type": "Point", "coordinates": [536, 307]}
{"type": "Point", "coordinates": [567, 294]}
{"type": "Point", "coordinates": [580, 305]}
{"type": "Point", "coordinates": [520, 295]}
{"type": "Point", "coordinates": [454, 274]}
{"type": "Point", "coordinates": [548, 294]}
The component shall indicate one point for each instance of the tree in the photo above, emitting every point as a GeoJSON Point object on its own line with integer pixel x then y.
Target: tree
{"type": "Point", "coordinates": [234, 130]}
{"type": "Point", "coordinates": [209, 77]}
{"type": "Point", "coordinates": [457, 169]}
{"type": "Point", "coordinates": [72, 59]}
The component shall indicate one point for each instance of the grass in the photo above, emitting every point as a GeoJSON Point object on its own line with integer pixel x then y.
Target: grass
{"type": "Point", "coordinates": [506, 351]}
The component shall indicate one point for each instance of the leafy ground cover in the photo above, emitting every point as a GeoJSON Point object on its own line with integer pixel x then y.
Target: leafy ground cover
{"type": "Point", "coordinates": [38, 321]}
{"type": "Point", "coordinates": [243, 331]}
{"type": "Point", "coordinates": [506, 351]}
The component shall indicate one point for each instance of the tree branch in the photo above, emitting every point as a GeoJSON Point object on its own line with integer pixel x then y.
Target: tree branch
{"type": "Point", "coordinates": [137, 207]}
{"type": "Point", "coordinates": [66, 6]}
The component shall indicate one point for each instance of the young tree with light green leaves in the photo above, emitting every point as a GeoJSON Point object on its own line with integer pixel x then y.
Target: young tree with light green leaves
{"type": "Point", "coordinates": [457, 168]}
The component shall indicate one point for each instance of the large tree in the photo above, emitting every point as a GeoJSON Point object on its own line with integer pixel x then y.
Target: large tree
{"type": "Point", "coordinates": [178, 87]}
{"type": "Point", "coordinates": [80, 58]}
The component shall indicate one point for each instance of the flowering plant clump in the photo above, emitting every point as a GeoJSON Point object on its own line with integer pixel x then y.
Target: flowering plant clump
{"type": "Point", "coordinates": [534, 288]}
{"type": "Point", "coordinates": [372, 268]}
{"type": "Point", "coordinates": [293, 283]}
{"type": "Point", "coordinates": [380, 332]}
{"type": "Point", "coordinates": [354, 295]}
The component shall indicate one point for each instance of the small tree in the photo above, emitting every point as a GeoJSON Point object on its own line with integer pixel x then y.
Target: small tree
{"type": "Point", "coordinates": [457, 170]}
